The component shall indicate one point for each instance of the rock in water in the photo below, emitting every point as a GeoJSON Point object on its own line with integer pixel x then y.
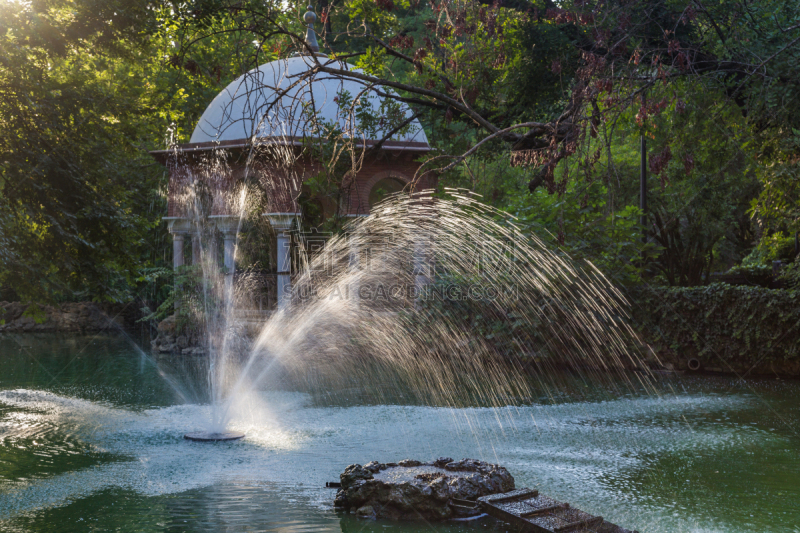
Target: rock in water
{"type": "Point", "coordinates": [355, 473]}
{"type": "Point", "coordinates": [415, 490]}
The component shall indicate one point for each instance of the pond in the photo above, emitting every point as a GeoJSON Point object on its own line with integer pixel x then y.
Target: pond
{"type": "Point", "coordinates": [91, 439]}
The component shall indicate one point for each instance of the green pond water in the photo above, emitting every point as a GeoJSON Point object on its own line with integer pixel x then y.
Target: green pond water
{"type": "Point", "coordinates": [91, 440]}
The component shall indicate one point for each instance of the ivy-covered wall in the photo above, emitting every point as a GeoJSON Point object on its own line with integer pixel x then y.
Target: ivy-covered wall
{"type": "Point", "coordinates": [727, 328]}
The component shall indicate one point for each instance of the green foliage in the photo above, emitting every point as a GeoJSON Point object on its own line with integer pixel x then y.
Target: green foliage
{"type": "Point", "coordinates": [159, 280]}
{"type": "Point", "coordinates": [698, 196]}
{"type": "Point", "coordinates": [753, 275]}
{"type": "Point", "coordinates": [77, 185]}
{"type": "Point", "coordinates": [720, 324]}
{"type": "Point", "coordinates": [751, 270]}
{"type": "Point", "coordinates": [703, 175]}
{"type": "Point", "coordinates": [88, 86]}
{"type": "Point", "coordinates": [778, 206]}
{"type": "Point", "coordinates": [540, 73]}
{"type": "Point", "coordinates": [193, 292]}
{"type": "Point", "coordinates": [35, 312]}
{"type": "Point", "coordinates": [790, 275]}
{"type": "Point", "coordinates": [771, 248]}
{"type": "Point", "coordinates": [582, 224]}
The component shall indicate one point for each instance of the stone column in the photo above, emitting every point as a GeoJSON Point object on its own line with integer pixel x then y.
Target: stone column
{"type": "Point", "coordinates": [228, 225]}
{"type": "Point", "coordinates": [211, 256]}
{"type": "Point", "coordinates": [229, 260]}
{"type": "Point", "coordinates": [197, 251]}
{"type": "Point", "coordinates": [423, 256]}
{"type": "Point", "coordinates": [177, 250]}
{"type": "Point", "coordinates": [178, 227]}
{"type": "Point", "coordinates": [422, 259]}
{"type": "Point", "coordinates": [282, 224]}
{"type": "Point", "coordinates": [177, 262]}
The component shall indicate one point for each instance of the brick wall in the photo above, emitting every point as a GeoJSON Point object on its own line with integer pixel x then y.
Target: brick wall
{"type": "Point", "coordinates": [283, 186]}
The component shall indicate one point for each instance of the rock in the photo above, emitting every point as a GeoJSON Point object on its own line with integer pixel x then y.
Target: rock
{"type": "Point", "coordinates": [467, 486]}
{"type": "Point", "coordinates": [374, 466]}
{"type": "Point", "coordinates": [411, 489]}
{"type": "Point", "coordinates": [366, 511]}
{"type": "Point", "coordinates": [69, 317]}
{"type": "Point", "coordinates": [168, 325]}
{"type": "Point", "coordinates": [172, 339]}
{"type": "Point", "coordinates": [354, 473]}
{"type": "Point", "coordinates": [196, 350]}
{"type": "Point", "coordinates": [340, 501]}
{"type": "Point", "coordinates": [470, 465]}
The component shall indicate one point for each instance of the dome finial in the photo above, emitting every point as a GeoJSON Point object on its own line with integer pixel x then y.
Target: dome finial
{"type": "Point", "coordinates": [311, 37]}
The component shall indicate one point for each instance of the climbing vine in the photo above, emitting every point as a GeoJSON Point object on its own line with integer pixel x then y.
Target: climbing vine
{"type": "Point", "coordinates": [719, 324]}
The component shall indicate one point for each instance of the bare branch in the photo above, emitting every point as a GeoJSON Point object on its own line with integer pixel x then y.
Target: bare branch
{"type": "Point", "coordinates": [462, 157]}
{"type": "Point", "coordinates": [394, 130]}
{"type": "Point", "coordinates": [476, 117]}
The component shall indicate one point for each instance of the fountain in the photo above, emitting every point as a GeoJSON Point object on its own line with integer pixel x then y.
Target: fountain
{"type": "Point", "coordinates": [400, 293]}
{"type": "Point", "coordinates": [444, 296]}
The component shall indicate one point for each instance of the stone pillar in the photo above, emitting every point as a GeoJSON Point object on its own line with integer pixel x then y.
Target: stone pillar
{"type": "Point", "coordinates": [229, 260]}
{"type": "Point", "coordinates": [197, 251]}
{"type": "Point", "coordinates": [177, 250]}
{"type": "Point", "coordinates": [177, 262]}
{"type": "Point", "coordinates": [228, 225]}
{"type": "Point", "coordinates": [421, 265]}
{"type": "Point", "coordinates": [284, 249]}
{"type": "Point", "coordinates": [178, 228]}
{"type": "Point", "coordinates": [282, 224]}
{"type": "Point", "coordinates": [422, 258]}
{"type": "Point", "coordinates": [211, 258]}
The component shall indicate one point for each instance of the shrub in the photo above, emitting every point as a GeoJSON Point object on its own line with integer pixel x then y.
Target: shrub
{"type": "Point", "coordinates": [720, 324]}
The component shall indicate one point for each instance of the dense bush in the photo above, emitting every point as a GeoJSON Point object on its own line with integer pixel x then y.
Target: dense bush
{"type": "Point", "coordinates": [720, 325]}
{"type": "Point", "coordinates": [754, 275]}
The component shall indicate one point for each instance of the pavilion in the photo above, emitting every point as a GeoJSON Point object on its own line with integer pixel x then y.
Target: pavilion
{"type": "Point", "coordinates": [264, 123]}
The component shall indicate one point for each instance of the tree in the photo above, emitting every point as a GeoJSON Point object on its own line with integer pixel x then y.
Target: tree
{"type": "Point", "coordinates": [542, 83]}
{"type": "Point", "coordinates": [474, 60]}
{"type": "Point", "coordinates": [77, 187]}
{"type": "Point", "coordinates": [88, 86]}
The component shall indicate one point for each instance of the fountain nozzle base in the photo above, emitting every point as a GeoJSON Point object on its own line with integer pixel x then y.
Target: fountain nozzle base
{"type": "Point", "coordinates": [213, 436]}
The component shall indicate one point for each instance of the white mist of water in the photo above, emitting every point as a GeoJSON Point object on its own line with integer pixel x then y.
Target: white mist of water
{"type": "Point", "coordinates": [445, 298]}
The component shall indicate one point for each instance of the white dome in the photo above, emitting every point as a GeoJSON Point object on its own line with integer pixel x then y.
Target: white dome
{"type": "Point", "coordinates": [273, 101]}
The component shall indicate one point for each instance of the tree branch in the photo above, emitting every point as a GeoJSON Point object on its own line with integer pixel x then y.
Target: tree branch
{"type": "Point", "coordinates": [458, 159]}
{"type": "Point", "coordinates": [477, 118]}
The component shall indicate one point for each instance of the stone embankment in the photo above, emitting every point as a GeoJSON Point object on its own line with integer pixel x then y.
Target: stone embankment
{"type": "Point", "coordinates": [170, 341]}
{"type": "Point", "coordinates": [414, 490]}
{"type": "Point", "coordinates": [69, 317]}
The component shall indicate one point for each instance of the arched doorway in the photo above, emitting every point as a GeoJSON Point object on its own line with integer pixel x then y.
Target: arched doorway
{"type": "Point", "coordinates": [384, 188]}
